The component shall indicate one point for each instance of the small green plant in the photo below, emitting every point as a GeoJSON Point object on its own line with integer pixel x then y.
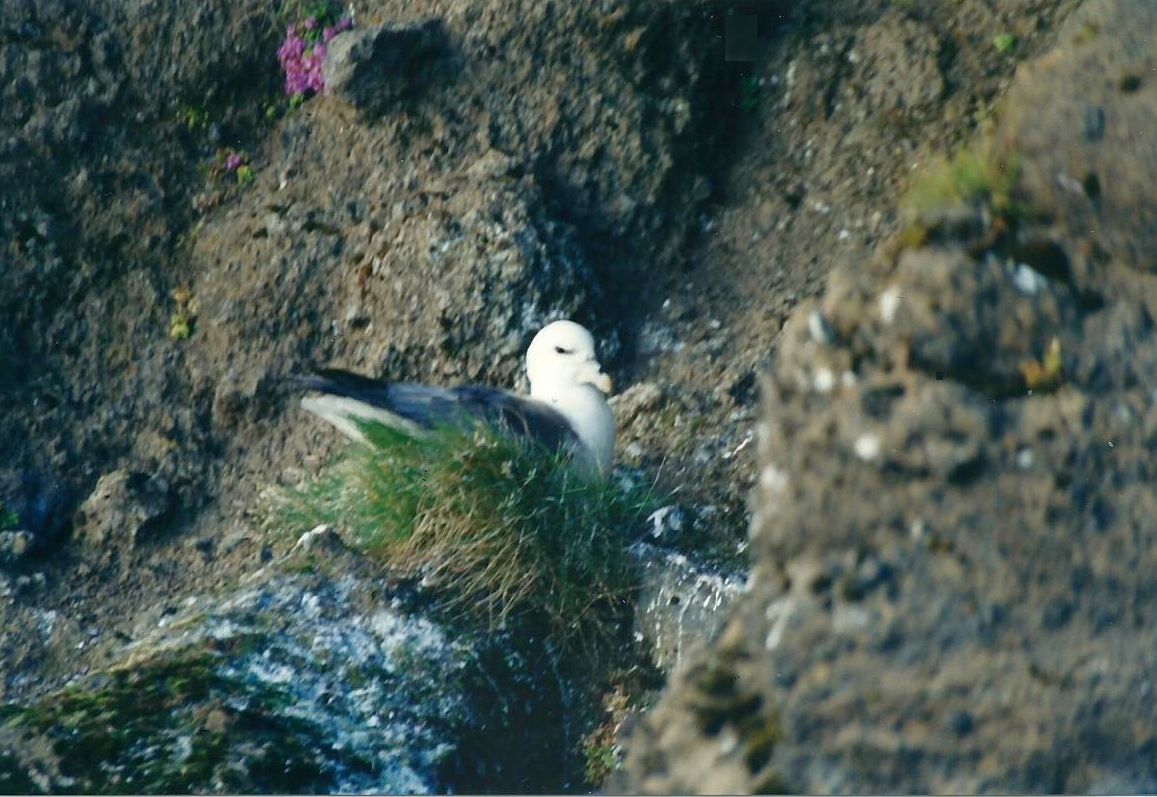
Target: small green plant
{"type": "Point", "coordinates": [601, 752]}
{"type": "Point", "coordinates": [184, 314]}
{"type": "Point", "coordinates": [1087, 33]}
{"type": "Point", "coordinates": [975, 176]}
{"type": "Point", "coordinates": [235, 162]}
{"type": "Point", "coordinates": [749, 94]}
{"type": "Point", "coordinates": [193, 117]}
{"type": "Point", "coordinates": [232, 164]}
{"type": "Point", "coordinates": [9, 520]}
{"type": "Point", "coordinates": [501, 528]}
{"type": "Point", "coordinates": [600, 760]}
{"type": "Point", "coordinates": [180, 327]}
{"type": "Point", "coordinates": [1004, 43]}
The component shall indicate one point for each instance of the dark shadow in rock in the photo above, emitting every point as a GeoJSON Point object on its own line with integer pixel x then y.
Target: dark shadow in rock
{"type": "Point", "coordinates": [377, 68]}
{"type": "Point", "coordinates": [1044, 256]}
{"type": "Point", "coordinates": [39, 503]}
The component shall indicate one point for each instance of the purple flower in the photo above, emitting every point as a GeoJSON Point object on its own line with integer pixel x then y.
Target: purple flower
{"type": "Point", "coordinates": [302, 54]}
{"type": "Point", "coordinates": [233, 162]}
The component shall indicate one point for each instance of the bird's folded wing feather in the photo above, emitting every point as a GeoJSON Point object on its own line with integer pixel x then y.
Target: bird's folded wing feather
{"type": "Point", "coordinates": [428, 407]}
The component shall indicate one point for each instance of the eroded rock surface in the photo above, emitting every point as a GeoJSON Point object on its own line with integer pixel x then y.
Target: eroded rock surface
{"type": "Point", "coordinates": [682, 603]}
{"type": "Point", "coordinates": [951, 591]}
{"type": "Point", "coordinates": [121, 511]}
{"type": "Point", "coordinates": [946, 594]}
{"type": "Point", "coordinates": [151, 300]}
{"type": "Point", "coordinates": [373, 69]}
{"type": "Point", "coordinates": [1075, 114]}
{"type": "Point", "coordinates": [308, 679]}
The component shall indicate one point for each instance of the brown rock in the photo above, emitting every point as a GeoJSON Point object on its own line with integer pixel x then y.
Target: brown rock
{"type": "Point", "coordinates": [1080, 118]}
{"type": "Point", "coordinates": [374, 68]}
{"type": "Point", "coordinates": [950, 591]}
{"type": "Point", "coordinates": [121, 511]}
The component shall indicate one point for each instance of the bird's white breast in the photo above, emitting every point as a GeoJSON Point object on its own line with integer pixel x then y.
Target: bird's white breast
{"type": "Point", "coordinates": [587, 412]}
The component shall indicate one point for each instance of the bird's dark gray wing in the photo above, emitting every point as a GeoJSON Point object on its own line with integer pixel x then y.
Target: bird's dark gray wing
{"type": "Point", "coordinates": [430, 407]}
{"type": "Point", "coordinates": [524, 417]}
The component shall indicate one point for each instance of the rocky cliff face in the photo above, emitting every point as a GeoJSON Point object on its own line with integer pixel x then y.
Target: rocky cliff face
{"type": "Point", "coordinates": [950, 550]}
{"type": "Point", "coordinates": [944, 418]}
{"type": "Point", "coordinates": [302, 679]}
{"type": "Point", "coordinates": [177, 238]}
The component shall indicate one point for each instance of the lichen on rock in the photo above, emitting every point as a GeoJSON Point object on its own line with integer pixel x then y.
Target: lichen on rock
{"type": "Point", "coordinates": [298, 683]}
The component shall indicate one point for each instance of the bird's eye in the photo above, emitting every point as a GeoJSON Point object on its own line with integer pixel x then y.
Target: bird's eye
{"type": "Point", "coordinates": [561, 350]}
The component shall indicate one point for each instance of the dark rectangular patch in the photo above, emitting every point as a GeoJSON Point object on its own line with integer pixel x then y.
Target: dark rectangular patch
{"type": "Point", "coordinates": [739, 35]}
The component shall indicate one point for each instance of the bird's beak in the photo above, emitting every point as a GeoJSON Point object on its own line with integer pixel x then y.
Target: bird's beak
{"type": "Point", "coordinates": [596, 377]}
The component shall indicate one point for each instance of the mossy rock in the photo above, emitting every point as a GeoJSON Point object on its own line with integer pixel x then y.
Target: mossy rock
{"type": "Point", "coordinates": [176, 725]}
{"type": "Point", "coordinates": [304, 683]}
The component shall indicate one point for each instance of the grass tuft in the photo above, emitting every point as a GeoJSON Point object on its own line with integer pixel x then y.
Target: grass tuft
{"type": "Point", "coordinates": [1048, 374]}
{"type": "Point", "coordinates": [976, 176]}
{"type": "Point", "coordinates": [500, 529]}
{"type": "Point", "coordinates": [1004, 43]}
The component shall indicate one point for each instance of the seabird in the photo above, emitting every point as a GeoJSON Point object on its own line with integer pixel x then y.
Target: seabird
{"type": "Point", "coordinates": [567, 407]}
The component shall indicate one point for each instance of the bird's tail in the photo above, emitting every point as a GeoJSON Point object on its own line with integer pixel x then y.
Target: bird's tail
{"type": "Point", "coordinates": [349, 400]}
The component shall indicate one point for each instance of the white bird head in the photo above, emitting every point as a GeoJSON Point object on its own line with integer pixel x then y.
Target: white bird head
{"type": "Point", "coordinates": [562, 355]}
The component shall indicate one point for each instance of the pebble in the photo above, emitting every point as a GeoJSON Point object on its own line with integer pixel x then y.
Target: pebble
{"type": "Point", "coordinates": [817, 327]}
{"type": "Point", "coordinates": [889, 303]}
{"type": "Point", "coordinates": [867, 447]}
{"type": "Point", "coordinates": [14, 545]}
